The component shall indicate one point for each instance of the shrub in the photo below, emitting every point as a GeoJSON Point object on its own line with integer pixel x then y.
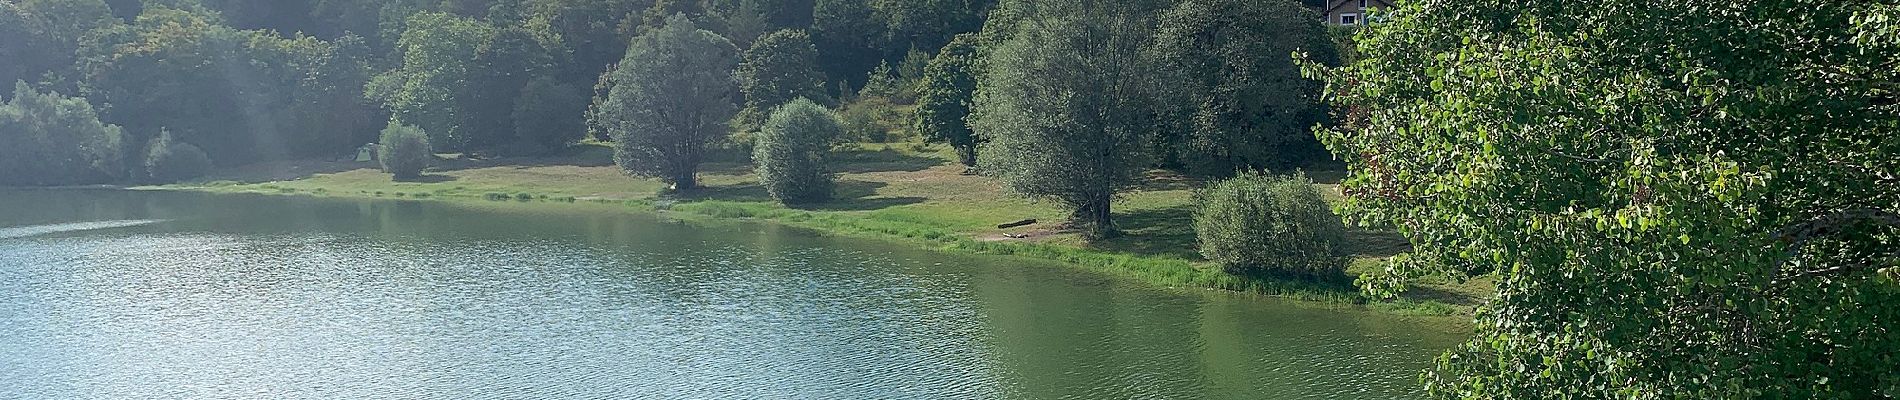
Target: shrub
{"type": "Point", "coordinates": [1255, 223]}
{"type": "Point", "coordinates": [169, 160]}
{"type": "Point", "coordinates": [51, 139]}
{"type": "Point", "coordinates": [791, 152]}
{"type": "Point", "coordinates": [874, 119]}
{"type": "Point", "coordinates": [404, 151]}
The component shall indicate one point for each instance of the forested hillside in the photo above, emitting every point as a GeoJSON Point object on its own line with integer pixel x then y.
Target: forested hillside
{"type": "Point", "coordinates": [253, 81]}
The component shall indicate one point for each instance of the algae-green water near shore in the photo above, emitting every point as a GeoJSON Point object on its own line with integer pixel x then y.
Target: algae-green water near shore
{"type": "Point", "coordinates": [177, 294]}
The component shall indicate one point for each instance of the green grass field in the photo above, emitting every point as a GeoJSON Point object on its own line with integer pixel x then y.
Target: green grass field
{"type": "Point", "coordinates": [905, 192]}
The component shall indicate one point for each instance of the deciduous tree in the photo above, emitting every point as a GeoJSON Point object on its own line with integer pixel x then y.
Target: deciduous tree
{"type": "Point", "coordinates": [1243, 104]}
{"type": "Point", "coordinates": [51, 139]}
{"type": "Point", "coordinates": [242, 96]}
{"type": "Point", "coordinates": [949, 83]}
{"type": "Point", "coordinates": [780, 67]}
{"type": "Point", "coordinates": [435, 83]}
{"type": "Point", "coordinates": [849, 35]}
{"type": "Point", "coordinates": [1678, 199]}
{"type": "Point", "coordinates": [671, 96]}
{"type": "Point", "coordinates": [1068, 103]}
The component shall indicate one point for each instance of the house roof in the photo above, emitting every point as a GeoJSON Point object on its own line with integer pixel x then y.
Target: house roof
{"type": "Point", "coordinates": [1335, 4]}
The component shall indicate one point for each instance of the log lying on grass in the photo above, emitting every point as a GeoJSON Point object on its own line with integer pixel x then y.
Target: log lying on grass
{"type": "Point", "coordinates": [1016, 224]}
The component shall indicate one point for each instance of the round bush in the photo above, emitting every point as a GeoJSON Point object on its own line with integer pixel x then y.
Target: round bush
{"type": "Point", "coordinates": [1279, 225]}
{"type": "Point", "coordinates": [169, 160]}
{"type": "Point", "coordinates": [791, 152]}
{"type": "Point", "coordinates": [404, 151]}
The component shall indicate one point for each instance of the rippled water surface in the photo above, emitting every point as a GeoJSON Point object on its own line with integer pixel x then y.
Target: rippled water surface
{"type": "Point", "coordinates": [115, 294]}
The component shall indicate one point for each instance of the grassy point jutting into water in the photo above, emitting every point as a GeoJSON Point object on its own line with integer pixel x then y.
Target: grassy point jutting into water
{"type": "Point", "coordinates": [1380, 199]}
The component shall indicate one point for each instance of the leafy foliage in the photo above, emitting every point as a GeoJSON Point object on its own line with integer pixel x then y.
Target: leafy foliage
{"type": "Point", "coordinates": [850, 35]}
{"type": "Point", "coordinates": [875, 120]}
{"type": "Point", "coordinates": [437, 53]}
{"type": "Point", "coordinates": [404, 150]}
{"type": "Point", "coordinates": [779, 67]}
{"type": "Point", "coordinates": [1262, 224]}
{"type": "Point", "coordinates": [1067, 105]}
{"type": "Point", "coordinates": [925, 25]}
{"type": "Point", "coordinates": [243, 95]}
{"type": "Point", "coordinates": [40, 38]}
{"type": "Point", "coordinates": [671, 96]}
{"type": "Point", "coordinates": [792, 149]}
{"type": "Point", "coordinates": [1678, 200]}
{"type": "Point", "coordinates": [549, 116]}
{"type": "Point", "coordinates": [1245, 105]}
{"type": "Point", "coordinates": [949, 82]}
{"type": "Point", "coordinates": [506, 62]}
{"type": "Point", "coordinates": [656, 16]}
{"type": "Point", "coordinates": [169, 160]}
{"type": "Point", "coordinates": [881, 82]}
{"type": "Point", "coordinates": [461, 79]}
{"type": "Point", "coordinates": [591, 32]}
{"type": "Point", "coordinates": [51, 139]}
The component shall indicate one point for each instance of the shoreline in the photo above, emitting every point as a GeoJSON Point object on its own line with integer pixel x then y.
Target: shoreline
{"type": "Point", "coordinates": [1165, 272]}
{"type": "Point", "coordinates": [910, 195]}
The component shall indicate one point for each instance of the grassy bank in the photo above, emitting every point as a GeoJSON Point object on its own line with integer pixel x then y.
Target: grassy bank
{"type": "Point", "coordinates": [904, 192]}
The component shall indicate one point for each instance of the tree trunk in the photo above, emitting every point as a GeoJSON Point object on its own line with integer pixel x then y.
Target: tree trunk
{"type": "Point", "coordinates": [966, 155]}
{"type": "Point", "coordinates": [1095, 218]}
{"type": "Point", "coordinates": [685, 181]}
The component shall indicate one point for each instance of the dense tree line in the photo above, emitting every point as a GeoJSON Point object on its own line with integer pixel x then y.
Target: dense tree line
{"type": "Point", "coordinates": [251, 81]}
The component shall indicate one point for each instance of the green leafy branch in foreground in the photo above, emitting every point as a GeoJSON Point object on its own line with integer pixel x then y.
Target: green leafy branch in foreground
{"type": "Point", "coordinates": [1680, 200]}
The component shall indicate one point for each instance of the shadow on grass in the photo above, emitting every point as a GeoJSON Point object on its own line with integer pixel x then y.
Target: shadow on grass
{"type": "Point", "coordinates": [1375, 243]}
{"type": "Point", "coordinates": [576, 156]}
{"type": "Point", "coordinates": [426, 178]}
{"type": "Point", "coordinates": [851, 195]}
{"type": "Point", "coordinates": [886, 160]}
{"type": "Point", "coordinates": [287, 170]}
{"type": "Point", "coordinates": [1160, 231]}
{"type": "Point", "coordinates": [1163, 180]}
{"type": "Point", "coordinates": [739, 192]}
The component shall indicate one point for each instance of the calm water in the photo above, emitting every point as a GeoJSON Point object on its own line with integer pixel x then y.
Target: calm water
{"type": "Point", "coordinates": [112, 294]}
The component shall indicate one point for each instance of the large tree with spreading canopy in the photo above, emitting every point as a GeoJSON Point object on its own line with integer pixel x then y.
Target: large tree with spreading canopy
{"type": "Point", "coordinates": [671, 96]}
{"type": "Point", "coordinates": [1678, 199]}
{"type": "Point", "coordinates": [1068, 102]}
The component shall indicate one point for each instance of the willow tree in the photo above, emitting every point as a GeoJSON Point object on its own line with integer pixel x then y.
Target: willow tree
{"type": "Point", "coordinates": [792, 151]}
{"type": "Point", "coordinates": [1678, 199]}
{"type": "Point", "coordinates": [1067, 104]}
{"type": "Point", "coordinates": [671, 95]}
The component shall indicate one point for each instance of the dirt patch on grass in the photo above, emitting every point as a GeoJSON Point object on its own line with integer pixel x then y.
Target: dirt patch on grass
{"type": "Point", "coordinates": [1027, 235]}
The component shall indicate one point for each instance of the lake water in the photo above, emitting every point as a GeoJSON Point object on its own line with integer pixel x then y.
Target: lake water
{"type": "Point", "coordinates": [121, 294]}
